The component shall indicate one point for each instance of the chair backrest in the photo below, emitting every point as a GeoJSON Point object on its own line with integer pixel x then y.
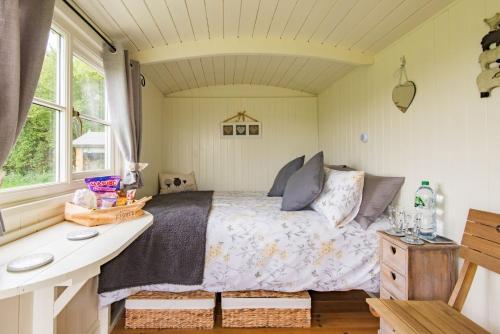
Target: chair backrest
{"type": "Point", "coordinates": [480, 247]}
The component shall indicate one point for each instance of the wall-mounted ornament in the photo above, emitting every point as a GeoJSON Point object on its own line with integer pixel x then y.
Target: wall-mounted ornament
{"type": "Point", "coordinates": [489, 59]}
{"type": "Point", "coordinates": [404, 93]}
{"type": "Point", "coordinates": [241, 125]}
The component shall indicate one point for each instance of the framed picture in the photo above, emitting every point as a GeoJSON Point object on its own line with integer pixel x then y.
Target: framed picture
{"type": "Point", "coordinates": [241, 130]}
{"type": "Point", "coordinates": [254, 130]}
{"type": "Point", "coordinates": [227, 130]}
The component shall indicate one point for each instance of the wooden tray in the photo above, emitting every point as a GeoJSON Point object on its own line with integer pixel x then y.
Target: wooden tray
{"type": "Point", "coordinates": [118, 214]}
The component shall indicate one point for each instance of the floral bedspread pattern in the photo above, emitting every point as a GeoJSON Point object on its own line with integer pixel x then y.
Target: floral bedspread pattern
{"type": "Point", "coordinates": [253, 245]}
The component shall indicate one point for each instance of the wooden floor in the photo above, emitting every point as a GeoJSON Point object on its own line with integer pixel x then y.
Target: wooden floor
{"type": "Point", "coordinates": [332, 312]}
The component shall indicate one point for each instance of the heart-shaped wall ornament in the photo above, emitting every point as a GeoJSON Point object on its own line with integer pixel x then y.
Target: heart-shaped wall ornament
{"type": "Point", "coordinates": [403, 95]}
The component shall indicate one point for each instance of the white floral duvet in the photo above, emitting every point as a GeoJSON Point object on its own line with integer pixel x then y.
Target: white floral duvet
{"type": "Point", "coordinates": [253, 245]}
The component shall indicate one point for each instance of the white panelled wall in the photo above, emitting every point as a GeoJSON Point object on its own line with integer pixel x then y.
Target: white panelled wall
{"type": "Point", "coordinates": [449, 135]}
{"type": "Point", "coordinates": [193, 142]}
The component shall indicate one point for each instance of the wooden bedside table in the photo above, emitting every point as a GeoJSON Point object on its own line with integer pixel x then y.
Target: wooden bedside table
{"type": "Point", "coordinates": [419, 272]}
{"type": "Point", "coordinates": [411, 272]}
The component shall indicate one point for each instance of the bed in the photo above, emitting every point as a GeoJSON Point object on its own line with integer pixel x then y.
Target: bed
{"type": "Point", "coordinates": [252, 245]}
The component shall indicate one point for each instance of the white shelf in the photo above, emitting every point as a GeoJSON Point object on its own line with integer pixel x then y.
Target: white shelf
{"type": "Point", "coordinates": [74, 261]}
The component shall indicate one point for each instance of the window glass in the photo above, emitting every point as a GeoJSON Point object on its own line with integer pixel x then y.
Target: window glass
{"type": "Point", "coordinates": [88, 90]}
{"type": "Point", "coordinates": [48, 83]}
{"type": "Point", "coordinates": [33, 159]}
{"type": "Point", "coordinates": [90, 145]}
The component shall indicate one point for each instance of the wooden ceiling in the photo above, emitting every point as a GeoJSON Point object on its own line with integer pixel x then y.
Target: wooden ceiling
{"type": "Point", "coordinates": [314, 40]}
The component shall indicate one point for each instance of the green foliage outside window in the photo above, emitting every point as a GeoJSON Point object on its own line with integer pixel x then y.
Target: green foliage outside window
{"type": "Point", "coordinates": [32, 160]}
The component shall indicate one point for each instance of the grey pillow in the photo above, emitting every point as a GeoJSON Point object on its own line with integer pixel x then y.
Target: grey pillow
{"type": "Point", "coordinates": [378, 193]}
{"type": "Point", "coordinates": [304, 185]}
{"type": "Point", "coordinates": [284, 174]}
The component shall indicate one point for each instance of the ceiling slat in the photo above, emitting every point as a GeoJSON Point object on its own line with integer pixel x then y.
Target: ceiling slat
{"type": "Point", "coordinates": [262, 68]}
{"type": "Point", "coordinates": [162, 18]}
{"type": "Point", "coordinates": [215, 18]}
{"type": "Point", "coordinates": [282, 69]}
{"type": "Point", "coordinates": [298, 18]}
{"type": "Point", "coordinates": [283, 12]}
{"type": "Point", "coordinates": [382, 9]}
{"type": "Point", "coordinates": [272, 67]}
{"type": "Point", "coordinates": [241, 65]}
{"type": "Point", "coordinates": [176, 73]}
{"type": "Point", "coordinates": [198, 15]}
{"type": "Point", "coordinates": [231, 18]}
{"type": "Point", "coordinates": [335, 17]}
{"type": "Point", "coordinates": [99, 16]}
{"type": "Point", "coordinates": [406, 25]}
{"type": "Point", "coordinates": [122, 17]}
{"type": "Point", "coordinates": [319, 13]}
{"type": "Point", "coordinates": [356, 16]}
{"type": "Point", "coordinates": [328, 78]}
{"type": "Point", "coordinates": [181, 19]}
{"type": "Point", "coordinates": [294, 69]}
{"type": "Point", "coordinates": [388, 23]}
{"type": "Point", "coordinates": [140, 12]}
{"type": "Point", "coordinates": [266, 14]}
{"type": "Point", "coordinates": [229, 67]}
{"type": "Point", "coordinates": [188, 73]}
{"type": "Point", "coordinates": [155, 78]}
{"type": "Point", "coordinates": [209, 70]}
{"type": "Point", "coordinates": [252, 63]}
{"type": "Point", "coordinates": [307, 74]}
{"type": "Point", "coordinates": [167, 77]}
{"type": "Point", "coordinates": [249, 11]}
{"type": "Point", "coordinates": [219, 70]}
{"type": "Point", "coordinates": [199, 74]}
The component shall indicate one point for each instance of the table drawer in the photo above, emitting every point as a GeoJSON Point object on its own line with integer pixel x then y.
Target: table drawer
{"type": "Point", "coordinates": [384, 294]}
{"type": "Point", "coordinates": [393, 282]}
{"type": "Point", "coordinates": [394, 256]}
{"type": "Point", "coordinates": [385, 328]}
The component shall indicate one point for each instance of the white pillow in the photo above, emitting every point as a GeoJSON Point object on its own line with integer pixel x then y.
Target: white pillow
{"type": "Point", "coordinates": [176, 182]}
{"type": "Point", "coordinates": [341, 197]}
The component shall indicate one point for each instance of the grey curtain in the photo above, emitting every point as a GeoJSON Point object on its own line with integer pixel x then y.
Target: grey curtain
{"type": "Point", "coordinates": [24, 32]}
{"type": "Point", "coordinates": [123, 89]}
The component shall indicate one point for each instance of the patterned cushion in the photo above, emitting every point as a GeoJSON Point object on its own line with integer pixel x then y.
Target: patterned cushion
{"type": "Point", "coordinates": [176, 182]}
{"type": "Point", "coordinates": [341, 197]}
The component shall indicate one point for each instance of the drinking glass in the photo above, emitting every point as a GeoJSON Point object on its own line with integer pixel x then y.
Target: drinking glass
{"type": "Point", "coordinates": [393, 219]}
{"type": "Point", "coordinates": [417, 224]}
{"type": "Point", "coordinates": [408, 226]}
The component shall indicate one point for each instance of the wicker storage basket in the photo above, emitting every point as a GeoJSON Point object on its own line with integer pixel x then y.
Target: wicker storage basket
{"type": "Point", "coordinates": [118, 214]}
{"type": "Point", "coordinates": [152, 309]}
{"type": "Point", "coordinates": [266, 309]}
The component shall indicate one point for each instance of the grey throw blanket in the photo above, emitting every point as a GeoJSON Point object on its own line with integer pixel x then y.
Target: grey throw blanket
{"type": "Point", "coordinates": [171, 251]}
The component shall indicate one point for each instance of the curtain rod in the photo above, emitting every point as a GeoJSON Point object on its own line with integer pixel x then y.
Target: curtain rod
{"type": "Point", "coordinates": [111, 46]}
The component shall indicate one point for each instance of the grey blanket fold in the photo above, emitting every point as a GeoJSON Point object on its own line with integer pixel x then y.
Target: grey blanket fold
{"type": "Point", "coordinates": [171, 251]}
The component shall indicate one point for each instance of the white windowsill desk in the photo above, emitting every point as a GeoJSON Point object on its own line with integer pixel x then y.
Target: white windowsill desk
{"type": "Point", "coordinates": [75, 262]}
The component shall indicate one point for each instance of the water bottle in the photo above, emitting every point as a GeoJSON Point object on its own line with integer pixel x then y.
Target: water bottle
{"type": "Point", "coordinates": [425, 205]}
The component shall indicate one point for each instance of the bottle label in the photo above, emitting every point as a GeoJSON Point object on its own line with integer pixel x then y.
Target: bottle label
{"type": "Point", "coordinates": [419, 202]}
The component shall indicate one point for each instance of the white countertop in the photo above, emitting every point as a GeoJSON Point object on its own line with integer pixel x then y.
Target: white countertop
{"type": "Point", "coordinates": [74, 261]}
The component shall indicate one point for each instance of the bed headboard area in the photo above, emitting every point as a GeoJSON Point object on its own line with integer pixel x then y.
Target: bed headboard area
{"type": "Point", "coordinates": [192, 139]}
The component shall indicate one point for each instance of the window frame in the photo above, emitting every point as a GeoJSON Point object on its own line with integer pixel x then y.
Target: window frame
{"type": "Point", "coordinates": [93, 61]}
{"type": "Point", "coordinates": [66, 181]}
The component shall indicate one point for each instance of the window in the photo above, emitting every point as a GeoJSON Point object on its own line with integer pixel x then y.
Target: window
{"type": "Point", "coordinates": [67, 132]}
{"type": "Point", "coordinates": [90, 131]}
{"type": "Point", "coordinates": [34, 157]}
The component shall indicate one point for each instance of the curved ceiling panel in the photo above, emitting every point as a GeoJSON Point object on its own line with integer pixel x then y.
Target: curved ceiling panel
{"type": "Point", "coordinates": [303, 74]}
{"type": "Point", "coordinates": [310, 43]}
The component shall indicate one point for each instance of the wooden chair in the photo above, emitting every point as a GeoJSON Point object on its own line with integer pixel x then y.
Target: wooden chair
{"type": "Point", "coordinates": [480, 246]}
